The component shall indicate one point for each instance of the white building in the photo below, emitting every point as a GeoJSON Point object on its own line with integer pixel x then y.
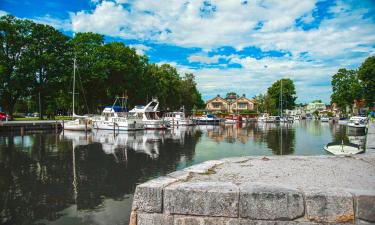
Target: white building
{"type": "Point", "coordinates": [315, 106]}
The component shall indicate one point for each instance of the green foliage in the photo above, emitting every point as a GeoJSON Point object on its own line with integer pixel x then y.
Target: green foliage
{"type": "Point", "coordinates": [231, 94]}
{"type": "Point", "coordinates": [288, 94]}
{"type": "Point", "coordinates": [248, 112]}
{"type": "Point", "coordinates": [317, 101]}
{"type": "Point", "coordinates": [36, 65]}
{"type": "Point", "coordinates": [366, 74]}
{"type": "Point", "coordinates": [345, 88]}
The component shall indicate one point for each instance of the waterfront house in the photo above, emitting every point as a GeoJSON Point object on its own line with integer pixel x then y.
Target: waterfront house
{"type": "Point", "coordinates": [315, 106]}
{"type": "Point", "coordinates": [230, 104]}
{"type": "Point", "coordinates": [217, 105]}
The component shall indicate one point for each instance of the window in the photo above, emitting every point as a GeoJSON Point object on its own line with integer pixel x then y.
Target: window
{"type": "Point", "coordinates": [216, 105]}
{"type": "Point", "coordinates": [242, 105]}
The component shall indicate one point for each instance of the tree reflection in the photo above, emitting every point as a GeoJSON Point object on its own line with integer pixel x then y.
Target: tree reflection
{"type": "Point", "coordinates": [40, 183]}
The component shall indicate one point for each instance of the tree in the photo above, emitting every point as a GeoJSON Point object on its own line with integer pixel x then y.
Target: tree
{"type": "Point", "coordinates": [366, 75]}
{"type": "Point", "coordinates": [229, 94]}
{"type": "Point", "coordinates": [288, 94]}
{"type": "Point", "coordinates": [15, 77]}
{"type": "Point", "coordinates": [345, 88]}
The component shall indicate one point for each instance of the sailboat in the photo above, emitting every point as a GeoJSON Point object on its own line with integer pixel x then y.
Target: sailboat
{"type": "Point", "coordinates": [80, 123]}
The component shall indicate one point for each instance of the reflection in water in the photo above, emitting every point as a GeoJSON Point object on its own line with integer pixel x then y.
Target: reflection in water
{"type": "Point", "coordinates": [78, 178]}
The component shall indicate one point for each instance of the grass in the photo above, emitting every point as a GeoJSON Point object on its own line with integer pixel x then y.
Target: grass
{"type": "Point", "coordinates": [37, 119]}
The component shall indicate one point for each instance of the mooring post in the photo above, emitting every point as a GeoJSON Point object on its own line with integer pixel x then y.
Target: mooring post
{"type": "Point", "coordinates": [86, 126]}
{"type": "Point", "coordinates": [56, 127]}
{"type": "Point", "coordinates": [172, 122]}
{"type": "Point", "coordinates": [22, 131]}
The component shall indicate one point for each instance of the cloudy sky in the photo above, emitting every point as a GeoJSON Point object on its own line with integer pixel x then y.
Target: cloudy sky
{"type": "Point", "coordinates": [239, 45]}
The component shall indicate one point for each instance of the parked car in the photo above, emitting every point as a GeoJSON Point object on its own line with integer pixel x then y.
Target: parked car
{"type": "Point", "coordinates": [4, 116]}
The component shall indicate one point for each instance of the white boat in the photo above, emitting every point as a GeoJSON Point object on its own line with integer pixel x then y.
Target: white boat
{"type": "Point", "coordinates": [207, 119]}
{"type": "Point", "coordinates": [116, 118]}
{"type": "Point", "coordinates": [262, 118]}
{"type": "Point", "coordinates": [230, 121]}
{"type": "Point", "coordinates": [149, 115]}
{"type": "Point", "coordinates": [273, 119]}
{"type": "Point", "coordinates": [324, 119]}
{"type": "Point", "coordinates": [80, 123]}
{"type": "Point", "coordinates": [343, 149]}
{"type": "Point", "coordinates": [357, 122]}
{"type": "Point", "coordinates": [343, 121]}
{"type": "Point", "coordinates": [296, 118]}
{"type": "Point", "coordinates": [177, 119]}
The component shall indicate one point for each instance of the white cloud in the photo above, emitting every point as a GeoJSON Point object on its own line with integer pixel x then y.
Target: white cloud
{"type": "Point", "coordinates": [140, 48]}
{"type": "Point", "coordinates": [3, 13]}
{"type": "Point", "coordinates": [204, 59]}
{"type": "Point", "coordinates": [56, 23]}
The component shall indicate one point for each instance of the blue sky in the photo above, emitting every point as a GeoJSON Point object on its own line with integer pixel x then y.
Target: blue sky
{"type": "Point", "coordinates": [230, 45]}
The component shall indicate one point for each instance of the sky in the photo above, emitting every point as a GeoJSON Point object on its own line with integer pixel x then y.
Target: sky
{"type": "Point", "coordinates": [229, 45]}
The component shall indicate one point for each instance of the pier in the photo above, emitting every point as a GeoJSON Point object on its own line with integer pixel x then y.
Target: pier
{"type": "Point", "coordinates": [300, 190]}
{"type": "Point", "coordinates": [26, 126]}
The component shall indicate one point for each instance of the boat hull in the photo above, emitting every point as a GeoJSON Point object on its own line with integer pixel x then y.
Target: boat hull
{"type": "Point", "coordinates": [119, 126]}
{"type": "Point", "coordinates": [76, 125]}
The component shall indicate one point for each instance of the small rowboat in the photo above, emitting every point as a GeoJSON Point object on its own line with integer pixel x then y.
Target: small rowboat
{"type": "Point", "coordinates": [343, 149]}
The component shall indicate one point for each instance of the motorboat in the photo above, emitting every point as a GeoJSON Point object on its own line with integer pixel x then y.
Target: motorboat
{"type": "Point", "coordinates": [263, 118]}
{"type": "Point", "coordinates": [357, 122]}
{"type": "Point", "coordinates": [273, 119]}
{"type": "Point", "coordinates": [79, 123]}
{"type": "Point", "coordinates": [324, 119]}
{"type": "Point", "coordinates": [232, 119]}
{"type": "Point", "coordinates": [116, 118]}
{"type": "Point", "coordinates": [177, 119]}
{"type": "Point", "coordinates": [343, 121]}
{"type": "Point", "coordinates": [296, 117]}
{"type": "Point", "coordinates": [149, 115]}
{"type": "Point", "coordinates": [207, 119]}
{"type": "Point", "coordinates": [337, 148]}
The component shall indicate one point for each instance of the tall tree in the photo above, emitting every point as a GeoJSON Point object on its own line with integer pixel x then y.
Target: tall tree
{"type": "Point", "coordinates": [47, 60]}
{"type": "Point", "coordinates": [288, 94]}
{"type": "Point", "coordinates": [345, 88]}
{"type": "Point", "coordinates": [366, 74]}
{"type": "Point", "coordinates": [14, 78]}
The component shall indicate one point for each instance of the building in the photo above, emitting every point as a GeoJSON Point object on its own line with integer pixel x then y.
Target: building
{"type": "Point", "coordinates": [230, 104]}
{"type": "Point", "coordinates": [315, 106]}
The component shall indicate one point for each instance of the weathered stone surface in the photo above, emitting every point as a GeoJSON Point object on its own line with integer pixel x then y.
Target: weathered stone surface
{"type": "Point", "coordinates": [196, 220]}
{"type": "Point", "coordinates": [365, 207]}
{"type": "Point", "coordinates": [259, 201]}
{"type": "Point", "coordinates": [180, 175]}
{"type": "Point", "coordinates": [329, 206]}
{"type": "Point", "coordinates": [154, 219]}
{"type": "Point", "coordinates": [203, 167]}
{"type": "Point", "coordinates": [148, 196]}
{"type": "Point", "coordinates": [202, 198]}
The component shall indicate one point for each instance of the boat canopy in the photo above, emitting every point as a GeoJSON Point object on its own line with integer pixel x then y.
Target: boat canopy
{"type": "Point", "coordinates": [117, 108]}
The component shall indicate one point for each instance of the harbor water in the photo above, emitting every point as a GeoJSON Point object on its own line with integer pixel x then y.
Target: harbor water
{"type": "Point", "coordinates": [78, 178]}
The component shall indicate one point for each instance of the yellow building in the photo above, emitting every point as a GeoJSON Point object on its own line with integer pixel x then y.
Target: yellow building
{"type": "Point", "coordinates": [230, 104]}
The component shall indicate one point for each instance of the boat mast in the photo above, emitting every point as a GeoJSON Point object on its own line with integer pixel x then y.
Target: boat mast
{"type": "Point", "coordinates": [74, 81]}
{"type": "Point", "coordinates": [281, 99]}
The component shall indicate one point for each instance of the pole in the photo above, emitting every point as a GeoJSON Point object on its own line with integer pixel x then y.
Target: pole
{"type": "Point", "coordinates": [281, 99]}
{"type": "Point", "coordinates": [74, 82]}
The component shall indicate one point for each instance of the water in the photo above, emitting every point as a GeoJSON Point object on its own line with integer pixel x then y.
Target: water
{"type": "Point", "coordinates": [73, 178]}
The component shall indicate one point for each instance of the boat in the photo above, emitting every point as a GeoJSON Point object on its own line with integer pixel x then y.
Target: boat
{"type": "Point", "coordinates": [177, 119]}
{"type": "Point", "coordinates": [324, 119]}
{"type": "Point", "coordinates": [273, 119]}
{"type": "Point", "coordinates": [232, 119]}
{"type": "Point", "coordinates": [262, 118]}
{"type": "Point", "coordinates": [359, 122]}
{"type": "Point", "coordinates": [296, 118]}
{"type": "Point", "coordinates": [207, 119]}
{"type": "Point", "coordinates": [116, 118]}
{"type": "Point", "coordinates": [343, 121]}
{"type": "Point", "coordinates": [149, 115]}
{"type": "Point", "coordinates": [337, 148]}
{"type": "Point", "coordinates": [79, 123]}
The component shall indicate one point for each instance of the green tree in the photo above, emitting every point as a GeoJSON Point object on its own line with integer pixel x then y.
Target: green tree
{"type": "Point", "coordinates": [15, 78]}
{"type": "Point", "coordinates": [288, 94]}
{"type": "Point", "coordinates": [366, 74]}
{"type": "Point", "coordinates": [345, 88]}
{"type": "Point", "coordinates": [47, 63]}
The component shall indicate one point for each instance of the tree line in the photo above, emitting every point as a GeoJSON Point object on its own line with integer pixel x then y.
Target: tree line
{"type": "Point", "coordinates": [354, 85]}
{"type": "Point", "coordinates": [36, 72]}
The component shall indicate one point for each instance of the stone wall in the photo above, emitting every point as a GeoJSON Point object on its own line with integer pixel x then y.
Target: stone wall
{"type": "Point", "coordinates": [178, 199]}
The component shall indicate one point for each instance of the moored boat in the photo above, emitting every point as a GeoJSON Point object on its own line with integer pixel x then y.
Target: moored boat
{"type": "Point", "coordinates": [207, 119]}
{"type": "Point", "coordinates": [359, 122]}
{"type": "Point", "coordinates": [343, 149]}
{"type": "Point", "coordinates": [177, 119]}
{"type": "Point", "coordinates": [149, 115]}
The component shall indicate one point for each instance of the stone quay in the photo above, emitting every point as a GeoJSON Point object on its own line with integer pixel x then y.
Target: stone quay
{"type": "Point", "coordinates": [272, 190]}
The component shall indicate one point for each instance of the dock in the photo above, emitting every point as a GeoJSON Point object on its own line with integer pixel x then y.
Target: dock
{"type": "Point", "coordinates": [281, 190]}
{"type": "Point", "coordinates": [21, 127]}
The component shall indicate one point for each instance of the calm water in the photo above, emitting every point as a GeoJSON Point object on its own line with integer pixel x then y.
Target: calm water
{"type": "Point", "coordinates": [73, 178]}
